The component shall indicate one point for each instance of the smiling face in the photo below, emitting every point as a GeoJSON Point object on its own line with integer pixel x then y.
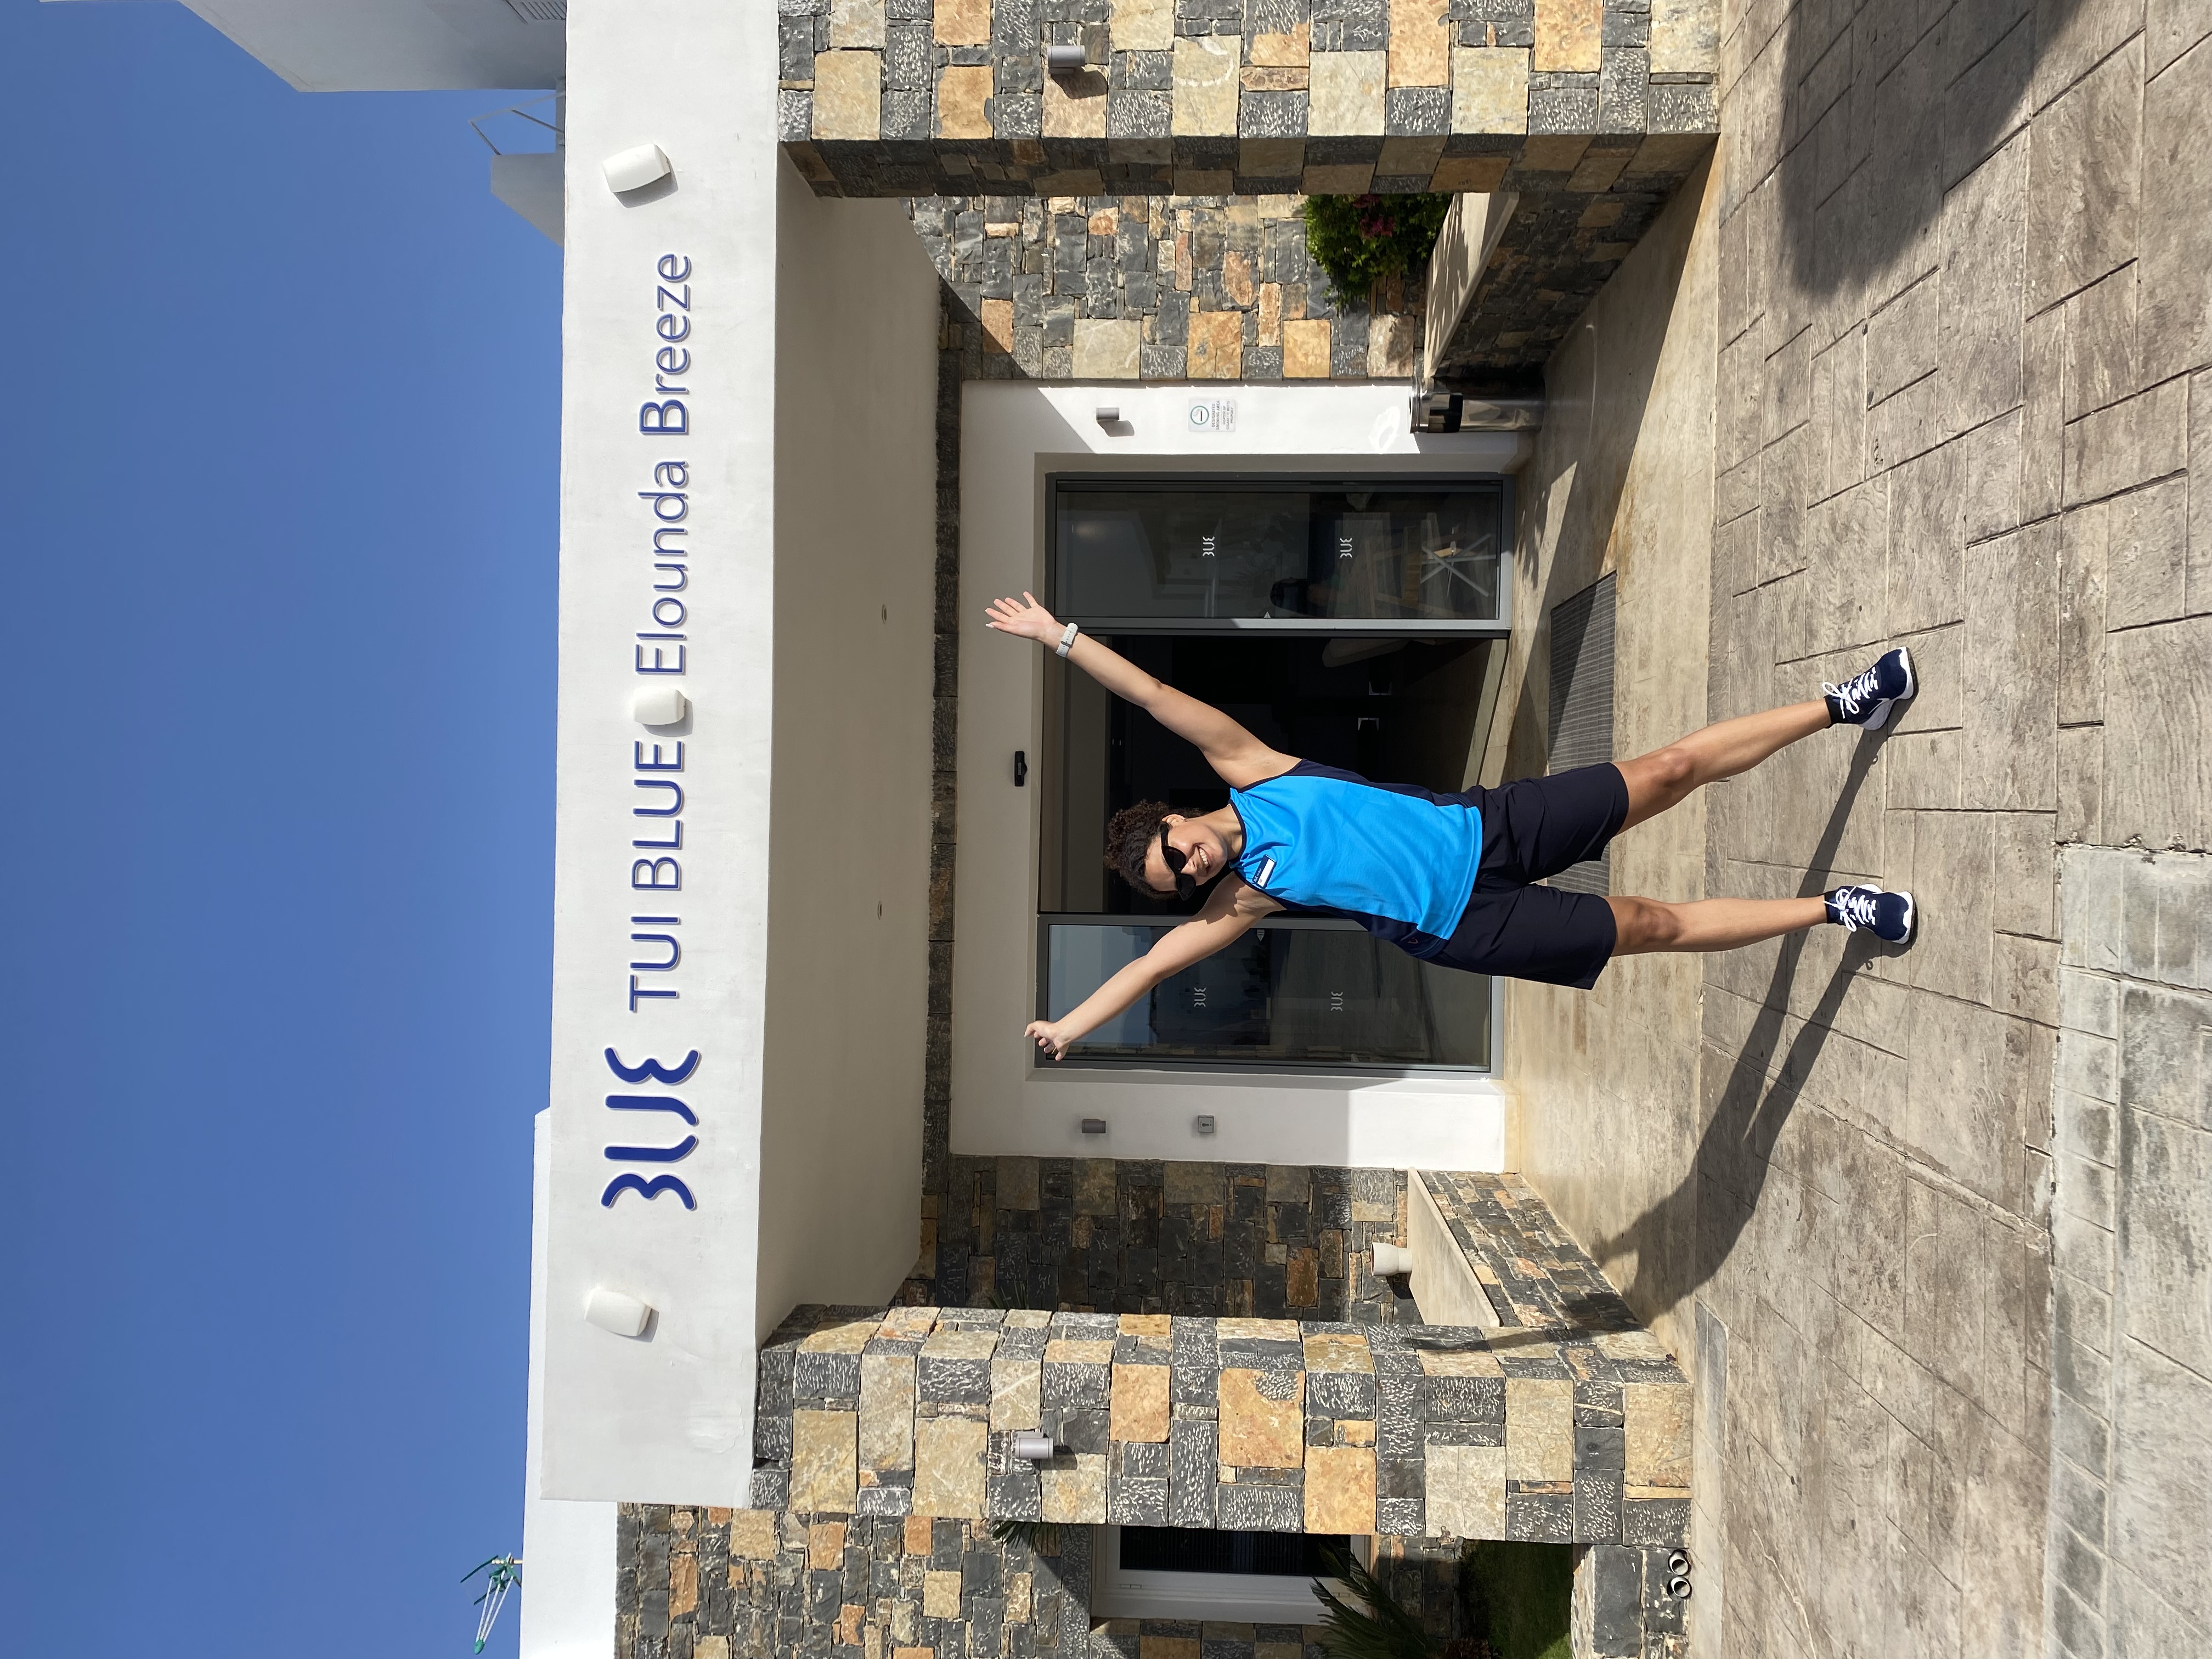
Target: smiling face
{"type": "Point", "coordinates": [1204, 854]}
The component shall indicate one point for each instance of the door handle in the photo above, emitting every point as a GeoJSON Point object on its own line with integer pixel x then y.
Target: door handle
{"type": "Point", "coordinates": [1021, 768]}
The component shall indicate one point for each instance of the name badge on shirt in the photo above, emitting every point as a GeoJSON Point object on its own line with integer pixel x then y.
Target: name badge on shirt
{"type": "Point", "coordinates": [1265, 873]}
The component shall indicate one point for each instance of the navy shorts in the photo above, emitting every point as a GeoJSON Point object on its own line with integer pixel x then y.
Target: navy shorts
{"type": "Point", "coordinates": [1534, 828]}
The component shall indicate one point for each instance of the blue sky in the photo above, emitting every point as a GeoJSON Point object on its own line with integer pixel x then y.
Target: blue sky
{"type": "Point", "coordinates": [279, 386]}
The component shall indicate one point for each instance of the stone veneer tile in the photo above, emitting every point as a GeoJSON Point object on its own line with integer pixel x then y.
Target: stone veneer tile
{"type": "Point", "coordinates": [842, 1336]}
{"type": "Point", "coordinates": [1142, 25]}
{"type": "Point", "coordinates": [1305, 349]}
{"type": "Point", "coordinates": [823, 1472]}
{"type": "Point", "coordinates": [1259, 1509]}
{"type": "Point", "coordinates": [949, 1466]}
{"type": "Point", "coordinates": [753, 1535]}
{"type": "Point", "coordinates": [953, 1343]}
{"type": "Point", "coordinates": [1465, 1491]}
{"type": "Point", "coordinates": [1193, 1183]}
{"type": "Point", "coordinates": [963, 92]}
{"type": "Point", "coordinates": [1075, 106]}
{"type": "Point", "coordinates": [941, 1594]}
{"type": "Point", "coordinates": [1490, 90]}
{"type": "Point", "coordinates": [856, 23]}
{"type": "Point", "coordinates": [963, 22]}
{"type": "Point", "coordinates": [1075, 1489]}
{"type": "Point", "coordinates": [848, 95]}
{"type": "Point", "coordinates": [1469, 175]}
{"type": "Point", "coordinates": [1262, 1418]}
{"type": "Point", "coordinates": [909, 1324]}
{"type": "Point", "coordinates": [1017, 1183]}
{"type": "Point", "coordinates": [1140, 1404]}
{"type": "Point", "coordinates": [1540, 1430]}
{"type": "Point", "coordinates": [1106, 348]}
{"type": "Point", "coordinates": [1685, 37]}
{"type": "Point", "coordinates": [1657, 1417]}
{"type": "Point", "coordinates": [1206, 86]}
{"type": "Point", "coordinates": [1340, 1489]}
{"type": "Point", "coordinates": [1569, 35]}
{"type": "Point", "coordinates": [1470, 1361]}
{"type": "Point", "coordinates": [1283, 49]}
{"type": "Point", "coordinates": [886, 1429]}
{"type": "Point", "coordinates": [1256, 1330]}
{"type": "Point", "coordinates": [1346, 93]}
{"type": "Point", "coordinates": [1073, 1351]}
{"type": "Point", "coordinates": [1331, 1351]}
{"type": "Point", "coordinates": [1420, 44]}
{"type": "Point", "coordinates": [1017, 1393]}
{"type": "Point", "coordinates": [1216, 345]}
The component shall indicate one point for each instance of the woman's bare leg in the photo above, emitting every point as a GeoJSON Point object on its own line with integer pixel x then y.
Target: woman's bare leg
{"type": "Point", "coordinates": [1665, 777]}
{"type": "Point", "coordinates": [1718, 924]}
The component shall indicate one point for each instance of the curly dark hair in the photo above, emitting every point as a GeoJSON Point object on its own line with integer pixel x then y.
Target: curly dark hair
{"type": "Point", "coordinates": [1130, 833]}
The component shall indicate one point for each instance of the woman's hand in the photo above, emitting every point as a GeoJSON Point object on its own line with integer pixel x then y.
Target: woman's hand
{"type": "Point", "coordinates": [1025, 618]}
{"type": "Point", "coordinates": [1048, 1034]}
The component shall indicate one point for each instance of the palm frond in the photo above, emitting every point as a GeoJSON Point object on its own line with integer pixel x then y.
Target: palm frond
{"type": "Point", "coordinates": [1381, 1629]}
{"type": "Point", "coordinates": [1042, 1537]}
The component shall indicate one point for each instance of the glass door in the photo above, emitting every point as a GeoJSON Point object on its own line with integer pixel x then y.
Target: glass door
{"type": "Point", "coordinates": [1352, 555]}
{"type": "Point", "coordinates": [1300, 993]}
{"type": "Point", "coordinates": [1358, 622]}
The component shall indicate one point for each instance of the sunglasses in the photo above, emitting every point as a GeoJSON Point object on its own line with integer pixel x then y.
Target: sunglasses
{"type": "Point", "coordinates": [1185, 886]}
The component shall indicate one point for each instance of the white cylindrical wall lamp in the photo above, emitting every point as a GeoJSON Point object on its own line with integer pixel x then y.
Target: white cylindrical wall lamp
{"type": "Point", "coordinates": [659, 705]}
{"type": "Point", "coordinates": [633, 169]}
{"type": "Point", "coordinates": [610, 1310]}
{"type": "Point", "coordinates": [1391, 1260]}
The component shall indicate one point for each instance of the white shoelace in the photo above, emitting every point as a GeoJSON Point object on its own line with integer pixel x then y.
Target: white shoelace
{"type": "Point", "coordinates": [1856, 693]}
{"type": "Point", "coordinates": [1854, 907]}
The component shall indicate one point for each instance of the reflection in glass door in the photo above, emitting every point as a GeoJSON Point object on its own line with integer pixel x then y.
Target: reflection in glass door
{"type": "Point", "coordinates": [1175, 554]}
{"type": "Point", "coordinates": [1299, 992]}
{"type": "Point", "coordinates": [1358, 623]}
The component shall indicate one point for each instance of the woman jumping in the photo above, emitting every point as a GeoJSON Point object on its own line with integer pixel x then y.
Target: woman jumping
{"type": "Point", "coordinates": [1448, 878]}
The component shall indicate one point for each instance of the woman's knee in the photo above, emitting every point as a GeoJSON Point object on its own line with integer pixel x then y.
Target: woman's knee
{"type": "Point", "coordinates": [1643, 924]}
{"type": "Point", "coordinates": [1674, 769]}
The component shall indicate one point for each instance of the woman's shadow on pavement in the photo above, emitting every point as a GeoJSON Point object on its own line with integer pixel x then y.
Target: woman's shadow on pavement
{"type": "Point", "coordinates": [1732, 1153]}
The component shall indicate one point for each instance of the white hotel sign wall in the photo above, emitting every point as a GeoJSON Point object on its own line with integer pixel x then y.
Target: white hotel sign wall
{"type": "Point", "coordinates": [740, 983]}
{"type": "Point", "coordinates": [662, 863]}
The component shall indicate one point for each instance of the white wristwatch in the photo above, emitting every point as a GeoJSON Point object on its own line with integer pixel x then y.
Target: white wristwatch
{"type": "Point", "coordinates": [1066, 640]}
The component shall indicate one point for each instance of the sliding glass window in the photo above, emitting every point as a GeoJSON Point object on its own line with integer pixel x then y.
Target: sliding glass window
{"type": "Point", "coordinates": [1352, 555]}
{"type": "Point", "coordinates": [1358, 623]}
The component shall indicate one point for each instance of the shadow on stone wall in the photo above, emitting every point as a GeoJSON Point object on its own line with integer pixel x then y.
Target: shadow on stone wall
{"type": "Point", "coordinates": [1716, 1195]}
{"type": "Point", "coordinates": [1881, 110]}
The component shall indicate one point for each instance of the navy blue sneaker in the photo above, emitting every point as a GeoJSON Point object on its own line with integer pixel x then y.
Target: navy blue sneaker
{"type": "Point", "coordinates": [1887, 916]}
{"type": "Point", "coordinates": [1866, 698]}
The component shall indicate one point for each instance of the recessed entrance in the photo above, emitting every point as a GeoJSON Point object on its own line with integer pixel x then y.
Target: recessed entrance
{"type": "Point", "coordinates": [1354, 622]}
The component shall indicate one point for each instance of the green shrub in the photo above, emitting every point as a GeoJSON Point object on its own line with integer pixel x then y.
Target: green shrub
{"type": "Point", "coordinates": [1359, 240]}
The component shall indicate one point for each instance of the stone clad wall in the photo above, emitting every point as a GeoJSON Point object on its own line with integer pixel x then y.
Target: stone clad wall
{"type": "Point", "coordinates": [1157, 287]}
{"type": "Point", "coordinates": [1139, 1235]}
{"type": "Point", "coordinates": [882, 1466]}
{"type": "Point", "coordinates": [708, 1584]}
{"type": "Point", "coordinates": [1215, 97]}
{"type": "Point", "coordinates": [1247, 1425]}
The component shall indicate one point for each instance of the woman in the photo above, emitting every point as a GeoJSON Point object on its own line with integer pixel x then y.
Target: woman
{"type": "Point", "coordinates": [1449, 878]}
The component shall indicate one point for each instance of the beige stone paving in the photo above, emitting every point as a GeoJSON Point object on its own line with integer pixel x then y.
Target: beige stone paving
{"type": "Point", "coordinates": [1962, 314]}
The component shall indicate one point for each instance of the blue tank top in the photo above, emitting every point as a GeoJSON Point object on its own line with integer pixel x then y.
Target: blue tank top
{"type": "Point", "coordinates": [1400, 860]}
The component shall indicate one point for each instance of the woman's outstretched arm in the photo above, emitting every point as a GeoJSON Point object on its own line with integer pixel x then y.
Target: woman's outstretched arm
{"type": "Point", "coordinates": [1221, 922]}
{"type": "Point", "coordinates": [1241, 759]}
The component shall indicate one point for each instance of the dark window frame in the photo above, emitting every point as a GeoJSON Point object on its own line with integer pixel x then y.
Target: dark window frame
{"type": "Point", "coordinates": [1259, 480]}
